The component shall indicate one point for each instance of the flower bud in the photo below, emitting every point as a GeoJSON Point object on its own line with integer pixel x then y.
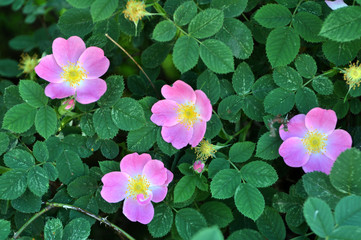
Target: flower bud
{"type": "Point", "coordinates": [198, 166]}
{"type": "Point", "coordinates": [66, 106]}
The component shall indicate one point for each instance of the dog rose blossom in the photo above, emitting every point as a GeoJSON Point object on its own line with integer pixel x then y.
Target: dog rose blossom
{"type": "Point", "coordinates": [183, 114]}
{"type": "Point", "coordinates": [73, 69]}
{"type": "Point", "coordinates": [141, 180]}
{"type": "Point", "coordinates": [312, 142]}
{"type": "Point", "coordinates": [336, 4]}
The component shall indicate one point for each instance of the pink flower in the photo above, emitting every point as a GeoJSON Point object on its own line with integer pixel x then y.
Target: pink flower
{"type": "Point", "coordinates": [312, 142]}
{"type": "Point", "coordinates": [198, 166]}
{"type": "Point", "coordinates": [336, 4]}
{"type": "Point", "coordinates": [73, 69]}
{"type": "Point", "coordinates": [140, 181]}
{"type": "Point", "coordinates": [183, 114]}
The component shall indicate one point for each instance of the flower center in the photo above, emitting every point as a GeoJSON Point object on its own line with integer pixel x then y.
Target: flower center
{"type": "Point", "coordinates": [352, 75]}
{"type": "Point", "coordinates": [134, 10]}
{"type": "Point", "coordinates": [205, 150]}
{"type": "Point", "coordinates": [73, 74]}
{"type": "Point", "coordinates": [315, 142]}
{"type": "Point", "coordinates": [138, 185]}
{"type": "Point", "coordinates": [187, 114]}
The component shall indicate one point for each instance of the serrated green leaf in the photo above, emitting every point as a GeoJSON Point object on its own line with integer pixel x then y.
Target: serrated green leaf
{"type": "Point", "coordinates": [109, 149]}
{"type": "Point", "coordinates": [77, 229]}
{"type": "Point", "coordinates": [141, 140]}
{"type": "Point", "coordinates": [115, 87]}
{"type": "Point", "coordinates": [355, 106]}
{"type": "Point", "coordinates": [271, 225]}
{"type": "Point", "coordinates": [188, 221]}
{"type": "Point", "coordinates": [282, 46]}
{"type": "Point", "coordinates": [12, 96]}
{"type": "Point", "coordinates": [249, 201]}
{"type": "Point", "coordinates": [318, 216]}
{"type": "Point", "coordinates": [185, 53]}
{"type": "Point", "coordinates": [322, 85]}
{"type": "Point", "coordinates": [81, 186]}
{"type": "Point", "coordinates": [287, 78]}
{"type": "Point", "coordinates": [341, 53]}
{"type": "Point", "coordinates": [9, 68]}
{"type": "Point", "coordinates": [128, 114]}
{"type": "Point", "coordinates": [231, 8]}
{"type": "Point", "coordinates": [225, 183]}
{"type": "Point", "coordinates": [69, 166]}
{"type": "Point", "coordinates": [267, 147]}
{"type": "Point", "coordinates": [80, 3]}
{"type": "Point", "coordinates": [4, 229]}
{"type": "Point", "coordinates": [27, 203]}
{"type": "Point", "coordinates": [345, 174]}
{"type": "Point", "coordinates": [155, 54]}
{"type": "Point", "coordinates": [306, 65]}
{"type": "Point", "coordinates": [40, 151]}
{"type": "Point", "coordinates": [259, 174]}
{"type": "Point", "coordinates": [348, 211]}
{"type": "Point", "coordinates": [345, 233]}
{"type": "Point", "coordinates": [208, 82]}
{"type": "Point", "coordinates": [12, 184]}
{"type": "Point", "coordinates": [19, 118]}
{"type": "Point", "coordinates": [343, 24]}
{"type": "Point", "coordinates": [4, 142]}
{"type": "Point", "coordinates": [206, 23]}
{"type": "Point", "coordinates": [229, 108]}
{"type": "Point", "coordinates": [86, 124]}
{"type": "Point", "coordinates": [51, 171]}
{"type": "Point", "coordinates": [217, 56]}
{"type": "Point", "coordinates": [249, 234]}
{"type": "Point", "coordinates": [164, 31]}
{"type": "Point", "coordinates": [53, 229]}
{"type": "Point", "coordinates": [46, 121]}
{"type": "Point", "coordinates": [38, 181]}
{"type": "Point", "coordinates": [241, 151]}
{"type": "Point", "coordinates": [273, 16]}
{"type": "Point", "coordinates": [109, 166]}
{"type": "Point", "coordinates": [253, 108]}
{"type": "Point", "coordinates": [217, 165]}
{"type": "Point", "coordinates": [308, 26]}
{"type": "Point", "coordinates": [263, 86]}
{"type": "Point", "coordinates": [217, 213]}
{"type": "Point", "coordinates": [19, 159]}
{"type": "Point", "coordinates": [103, 123]}
{"type": "Point", "coordinates": [101, 9]}
{"type": "Point", "coordinates": [210, 233]}
{"type": "Point", "coordinates": [184, 189]}
{"type": "Point", "coordinates": [237, 37]}
{"type": "Point", "coordinates": [88, 203]}
{"type": "Point", "coordinates": [279, 101]}
{"type": "Point", "coordinates": [185, 13]}
{"type": "Point", "coordinates": [306, 99]}
{"type": "Point", "coordinates": [32, 93]}
{"type": "Point", "coordinates": [76, 22]}
{"type": "Point", "coordinates": [243, 79]}
{"type": "Point", "coordinates": [162, 221]}
{"type": "Point", "coordinates": [214, 126]}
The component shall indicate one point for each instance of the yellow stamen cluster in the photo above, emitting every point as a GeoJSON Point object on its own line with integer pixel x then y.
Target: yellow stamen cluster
{"type": "Point", "coordinates": [205, 150]}
{"type": "Point", "coordinates": [352, 75]}
{"type": "Point", "coordinates": [135, 11]}
{"type": "Point", "coordinates": [187, 114]}
{"type": "Point", "coordinates": [138, 185]}
{"type": "Point", "coordinates": [73, 73]}
{"type": "Point", "coordinates": [315, 142]}
{"type": "Point", "coordinates": [27, 63]}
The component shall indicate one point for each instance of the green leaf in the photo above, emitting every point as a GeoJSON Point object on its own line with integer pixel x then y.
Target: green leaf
{"type": "Point", "coordinates": [27, 203]}
{"type": "Point", "coordinates": [217, 165]}
{"type": "Point", "coordinates": [165, 147]}
{"type": "Point", "coordinates": [69, 166]}
{"type": "Point", "coordinates": [32, 93]}
{"type": "Point", "coordinates": [164, 31]}
{"type": "Point", "coordinates": [88, 203]}
{"type": "Point", "coordinates": [217, 56]}
{"type": "Point", "coordinates": [243, 79]}
{"type": "Point", "coordinates": [109, 166]}
{"type": "Point", "coordinates": [308, 26]}
{"type": "Point", "coordinates": [318, 216]}
{"type": "Point", "coordinates": [115, 87]}
{"type": "Point", "coordinates": [210, 233]}
{"type": "Point", "coordinates": [259, 174]}
{"type": "Point", "coordinates": [345, 233]}
{"type": "Point", "coordinates": [214, 126]}
{"type": "Point", "coordinates": [279, 101]}
{"type": "Point", "coordinates": [206, 23]}
{"type": "Point", "coordinates": [142, 140]}
{"type": "Point", "coordinates": [237, 37]}
{"type": "Point", "coordinates": [224, 183]}
{"type": "Point", "coordinates": [253, 108]}
{"type": "Point", "coordinates": [249, 201]}
{"type": "Point", "coordinates": [229, 108]}
{"type": "Point", "coordinates": [317, 184]}
{"type": "Point", "coordinates": [77, 229]}
{"type": "Point", "coordinates": [53, 229]}
{"type": "Point", "coordinates": [40, 151]}
{"type": "Point", "coordinates": [4, 229]}
{"type": "Point", "coordinates": [12, 184]}
{"type": "Point", "coordinates": [12, 96]}
{"type": "Point", "coordinates": [19, 118]}
{"type": "Point", "coordinates": [128, 114]}
{"type": "Point", "coordinates": [185, 13]}
{"type": "Point", "coordinates": [231, 8]}
{"type": "Point", "coordinates": [162, 221]}
{"type": "Point", "coordinates": [109, 148]}
{"type": "Point", "coordinates": [9, 68]}
{"type": "Point", "coordinates": [184, 189]}
{"type": "Point", "coordinates": [273, 16]}
{"type": "Point", "coordinates": [103, 123]}
{"type": "Point", "coordinates": [208, 82]}
{"type": "Point", "coordinates": [185, 53]}
{"type": "Point", "coordinates": [86, 124]}
{"type": "Point", "coordinates": [345, 174]}
{"type": "Point", "coordinates": [271, 225]}
{"type": "Point", "coordinates": [306, 65]}
{"type": "Point", "coordinates": [80, 4]}
{"type": "Point", "coordinates": [355, 106]}
{"type": "Point", "coordinates": [348, 211]}
{"type": "Point", "coordinates": [155, 54]}
{"type": "Point", "coordinates": [217, 213]}
{"type": "Point", "coordinates": [38, 181]}
{"type": "Point", "coordinates": [188, 221]}
{"type": "Point", "coordinates": [4, 142]}
{"type": "Point", "coordinates": [343, 24]}
{"type": "Point", "coordinates": [76, 22]}
{"type": "Point", "coordinates": [249, 234]}
{"type": "Point", "coordinates": [241, 151]}
{"type": "Point", "coordinates": [51, 171]}
{"type": "Point", "coordinates": [267, 147]}
{"type": "Point", "coordinates": [306, 99]}
{"type": "Point", "coordinates": [263, 86]}
{"type": "Point", "coordinates": [46, 121]}
{"type": "Point", "coordinates": [282, 46]}
{"type": "Point", "coordinates": [322, 85]}
{"type": "Point", "coordinates": [341, 53]}
{"type": "Point", "coordinates": [19, 159]}
{"type": "Point", "coordinates": [287, 78]}
{"type": "Point", "coordinates": [81, 186]}
{"type": "Point", "coordinates": [103, 9]}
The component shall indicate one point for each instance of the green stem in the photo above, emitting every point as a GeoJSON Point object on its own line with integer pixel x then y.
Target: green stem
{"type": "Point", "coordinates": [49, 206]}
{"type": "Point", "coordinates": [233, 165]}
{"type": "Point", "coordinates": [244, 129]}
{"type": "Point", "coordinates": [4, 169]}
{"type": "Point", "coordinates": [294, 12]}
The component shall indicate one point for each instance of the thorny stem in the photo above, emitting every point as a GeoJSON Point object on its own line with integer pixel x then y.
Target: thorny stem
{"type": "Point", "coordinates": [121, 233]}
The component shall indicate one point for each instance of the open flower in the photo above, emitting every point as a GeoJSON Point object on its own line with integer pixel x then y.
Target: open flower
{"type": "Point", "coordinates": [73, 69]}
{"type": "Point", "coordinates": [336, 4]}
{"type": "Point", "coordinates": [140, 181]}
{"type": "Point", "coordinates": [183, 114]}
{"type": "Point", "coordinates": [312, 142]}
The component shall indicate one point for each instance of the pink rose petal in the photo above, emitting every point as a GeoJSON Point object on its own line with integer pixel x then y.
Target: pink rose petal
{"type": "Point", "coordinates": [59, 90]}
{"type": "Point", "coordinates": [322, 120]}
{"type": "Point", "coordinates": [318, 162]}
{"type": "Point", "coordinates": [180, 92]}
{"type": "Point", "coordinates": [94, 62]}
{"type": "Point", "coordinates": [165, 113]}
{"type": "Point", "coordinates": [134, 163]}
{"type": "Point", "coordinates": [293, 152]}
{"type": "Point", "coordinates": [115, 186]}
{"type": "Point", "coordinates": [169, 177]}
{"type": "Point", "coordinates": [337, 142]}
{"type": "Point", "coordinates": [90, 90]}
{"type": "Point", "coordinates": [179, 135]}
{"type": "Point", "coordinates": [144, 201]}
{"type": "Point", "coordinates": [136, 212]}
{"type": "Point", "coordinates": [49, 70]}
{"type": "Point", "coordinates": [336, 4]}
{"type": "Point", "coordinates": [203, 105]}
{"type": "Point", "coordinates": [199, 129]}
{"type": "Point", "coordinates": [68, 51]}
{"type": "Point", "coordinates": [155, 172]}
{"type": "Point", "coordinates": [159, 193]}
{"type": "Point", "coordinates": [296, 127]}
